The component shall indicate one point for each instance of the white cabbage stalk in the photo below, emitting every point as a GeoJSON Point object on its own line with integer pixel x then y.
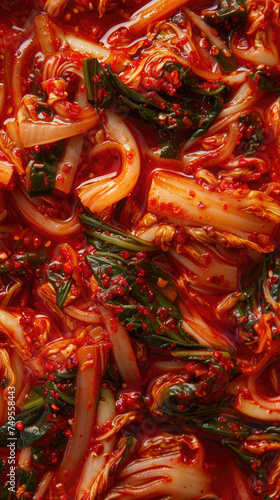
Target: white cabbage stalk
{"type": "Point", "coordinates": [43, 486]}
{"type": "Point", "coordinates": [90, 317]}
{"type": "Point", "coordinates": [33, 133]}
{"type": "Point", "coordinates": [215, 156]}
{"type": "Point", "coordinates": [25, 457]}
{"type": "Point", "coordinates": [10, 325]}
{"type": "Point", "coordinates": [92, 361]}
{"type": "Point", "coordinates": [272, 120]}
{"type": "Point", "coordinates": [7, 372]}
{"type": "Point", "coordinates": [152, 12]}
{"type": "Point", "coordinates": [244, 97]}
{"type": "Point", "coordinates": [56, 229]}
{"type": "Point", "coordinates": [98, 194]}
{"type": "Point", "coordinates": [54, 7]}
{"type": "Point", "coordinates": [95, 463]}
{"type": "Point", "coordinates": [45, 34]}
{"type": "Point", "coordinates": [252, 409]}
{"type": "Point", "coordinates": [124, 356]}
{"type": "Point", "coordinates": [89, 48]}
{"type": "Point", "coordinates": [205, 334]}
{"type": "Point", "coordinates": [64, 178]}
{"type": "Point", "coordinates": [205, 268]}
{"type": "Point", "coordinates": [263, 51]}
{"type": "Point", "coordinates": [232, 218]}
{"type": "Point", "coordinates": [25, 49]}
{"type": "Point", "coordinates": [168, 467]}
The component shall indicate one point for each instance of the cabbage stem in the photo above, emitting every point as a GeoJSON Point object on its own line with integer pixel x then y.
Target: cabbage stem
{"type": "Point", "coordinates": [92, 362]}
{"type": "Point", "coordinates": [234, 218]}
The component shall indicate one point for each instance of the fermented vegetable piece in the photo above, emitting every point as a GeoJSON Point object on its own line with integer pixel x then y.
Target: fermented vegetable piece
{"type": "Point", "coordinates": [206, 268]}
{"type": "Point", "coordinates": [148, 310]}
{"type": "Point", "coordinates": [173, 472]}
{"type": "Point", "coordinates": [208, 215]}
{"type": "Point", "coordinates": [13, 326]}
{"type": "Point", "coordinates": [53, 228]}
{"type": "Point", "coordinates": [154, 11]}
{"type": "Point", "coordinates": [68, 164]}
{"type": "Point", "coordinates": [92, 362]}
{"type": "Point", "coordinates": [104, 88]}
{"type": "Point", "coordinates": [33, 133]}
{"type": "Point", "coordinates": [94, 464]}
{"type": "Point", "coordinates": [98, 195]}
{"type": "Point", "coordinates": [121, 346]}
{"type": "Point", "coordinates": [6, 173]}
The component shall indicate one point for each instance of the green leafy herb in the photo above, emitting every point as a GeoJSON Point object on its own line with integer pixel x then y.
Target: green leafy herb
{"type": "Point", "coordinates": [61, 284]}
{"type": "Point", "coordinates": [30, 420]}
{"type": "Point", "coordinates": [42, 402]}
{"type": "Point", "coordinates": [21, 264]}
{"type": "Point", "coordinates": [112, 239]}
{"type": "Point", "coordinates": [266, 83]}
{"type": "Point", "coordinates": [193, 82]}
{"type": "Point", "coordinates": [28, 480]}
{"type": "Point", "coordinates": [99, 89]}
{"type": "Point", "coordinates": [249, 460]}
{"type": "Point", "coordinates": [36, 89]}
{"type": "Point", "coordinates": [230, 13]}
{"type": "Point", "coordinates": [125, 91]}
{"type": "Point", "coordinates": [5, 494]}
{"type": "Point", "coordinates": [193, 108]}
{"type": "Point", "coordinates": [223, 426]}
{"type": "Point", "coordinates": [182, 396]}
{"type": "Point", "coordinates": [131, 445]}
{"type": "Point", "coordinates": [202, 116]}
{"type": "Point", "coordinates": [44, 108]}
{"type": "Point", "coordinates": [247, 310]}
{"type": "Point", "coordinates": [252, 128]}
{"type": "Point", "coordinates": [227, 61]}
{"type": "Point", "coordinates": [51, 452]}
{"type": "Point", "coordinates": [43, 396]}
{"type": "Point", "coordinates": [204, 122]}
{"type": "Point", "coordinates": [129, 284]}
{"type": "Point", "coordinates": [44, 168]}
{"type": "Point", "coordinates": [4, 382]}
{"type": "Point", "coordinates": [2, 465]}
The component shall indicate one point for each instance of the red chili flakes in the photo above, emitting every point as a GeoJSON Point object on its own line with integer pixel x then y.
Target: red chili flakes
{"type": "Point", "coordinates": [67, 167]}
{"type": "Point", "coordinates": [201, 205]}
